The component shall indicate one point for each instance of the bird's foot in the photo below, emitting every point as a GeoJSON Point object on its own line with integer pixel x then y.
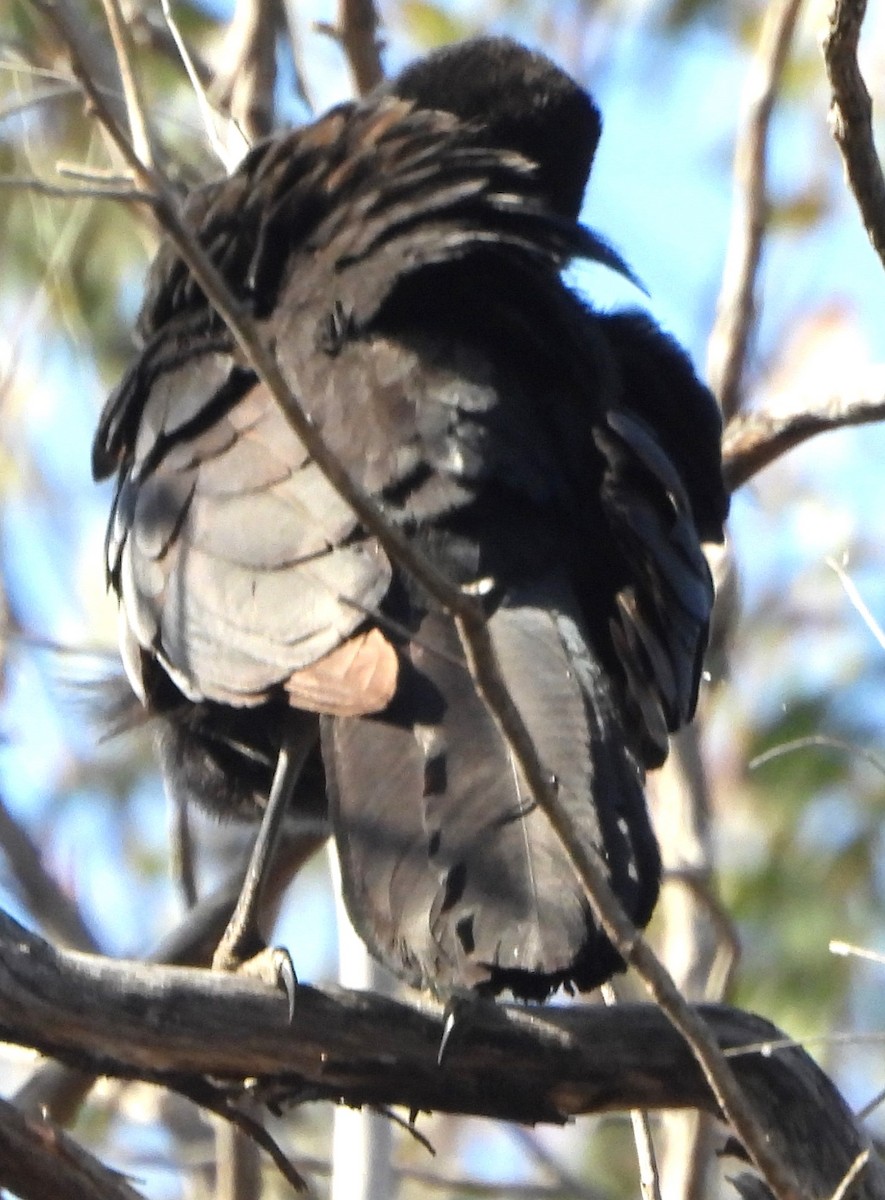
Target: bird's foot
{"type": "Point", "coordinates": [271, 965]}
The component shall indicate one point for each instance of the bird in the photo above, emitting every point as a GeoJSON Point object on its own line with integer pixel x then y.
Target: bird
{"type": "Point", "coordinates": [403, 255]}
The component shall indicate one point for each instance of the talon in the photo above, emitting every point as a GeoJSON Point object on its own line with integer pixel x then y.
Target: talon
{"type": "Point", "coordinates": [453, 1010]}
{"type": "Point", "coordinates": [287, 980]}
{"type": "Point", "coordinates": [273, 966]}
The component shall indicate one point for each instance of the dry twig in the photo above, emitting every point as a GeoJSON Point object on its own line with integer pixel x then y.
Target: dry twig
{"type": "Point", "coordinates": [245, 85]}
{"type": "Point", "coordinates": [139, 125]}
{"type": "Point", "coordinates": [736, 307]}
{"type": "Point", "coordinates": [37, 1159]}
{"type": "Point", "coordinates": [851, 111]}
{"type": "Point", "coordinates": [47, 903]}
{"type": "Point", "coordinates": [356, 30]}
{"type": "Point", "coordinates": [753, 440]}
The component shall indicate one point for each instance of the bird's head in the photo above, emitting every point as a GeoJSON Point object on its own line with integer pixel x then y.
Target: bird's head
{"type": "Point", "coordinates": [517, 100]}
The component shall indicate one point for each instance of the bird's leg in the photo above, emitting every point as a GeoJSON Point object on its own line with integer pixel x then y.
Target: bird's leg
{"type": "Point", "coordinates": [241, 939]}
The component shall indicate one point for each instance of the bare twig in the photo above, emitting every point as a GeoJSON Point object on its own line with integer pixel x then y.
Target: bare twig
{"type": "Point", "coordinates": [90, 49]}
{"type": "Point", "coordinates": [728, 948]}
{"type": "Point", "coordinates": [57, 92]}
{"type": "Point", "coordinates": [564, 1183]}
{"type": "Point", "coordinates": [753, 440]}
{"type": "Point", "coordinates": [37, 1159]}
{"type": "Point", "coordinates": [860, 605]}
{"type": "Point", "coordinates": [865, 1112]}
{"type": "Point", "coordinates": [245, 85]}
{"type": "Point", "coordinates": [846, 949]}
{"type": "Point", "coordinates": [215, 1099]}
{"type": "Point", "coordinates": [356, 30]}
{"type": "Point", "coordinates": [851, 1175]}
{"type": "Point", "coordinates": [470, 621]}
{"type": "Point", "coordinates": [821, 740]}
{"type": "Point", "coordinates": [649, 1180]}
{"type": "Point", "coordinates": [736, 307]}
{"type": "Point", "coordinates": [121, 36]}
{"type": "Point", "coordinates": [196, 81]}
{"type": "Point", "coordinates": [851, 113]}
{"type": "Point", "coordinates": [63, 191]}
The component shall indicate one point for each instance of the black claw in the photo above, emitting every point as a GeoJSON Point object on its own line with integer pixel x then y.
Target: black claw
{"type": "Point", "coordinates": [287, 979]}
{"type": "Point", "coordinates": [453, 1011]}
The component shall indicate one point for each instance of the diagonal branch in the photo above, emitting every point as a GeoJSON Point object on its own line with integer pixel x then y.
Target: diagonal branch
{"type": "Point", "coordinates": [139, 126]}
{"type": "Point", "coordinates": [357, 31]}
{"type": "Point", "coordinates": [37, 1159]}
{"type": "Point", "coordinates": [46, 901]}
{"type": "Point", "coordinates": [245, 88]}
{"type": "Point", "coordinates": [753, 440]}
{"type": "Point", "coordinates": [851, 111]}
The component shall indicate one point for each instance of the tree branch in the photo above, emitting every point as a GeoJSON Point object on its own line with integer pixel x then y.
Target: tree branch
{"type": "Point", "coordinates": [357, 31]}
{"type": "Point", "coordinates": [37, 1159]}
{"type": "Point", "coordinates": [530, 1065]}
{"type": "Point", "coordinates": [245, 88]}
{"type": "Point", "coordinates": [851, 111]}
{"type": "Point", "coordinates": [60, 1090]}
{"type": "Point", "coordinates": [46, 901]}
{"type": "Point", "coordinates": [736, 306]}
{"type": "Point", "coordinates": [753, 440]}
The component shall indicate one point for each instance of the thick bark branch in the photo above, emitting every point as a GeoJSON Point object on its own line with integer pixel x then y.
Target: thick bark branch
{"type": "Point", "coordinates": [248, 74]}
{"type": "Point", "coordinates": [37, 1159]}
{"type": "Point", "coordinates": [529, 1065]}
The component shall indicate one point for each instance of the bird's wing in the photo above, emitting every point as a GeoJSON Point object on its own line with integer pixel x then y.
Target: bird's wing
{"type": "Point", "coordinates": [237, 563]}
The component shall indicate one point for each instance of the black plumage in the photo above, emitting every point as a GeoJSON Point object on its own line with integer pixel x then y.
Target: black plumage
{"type": "Point", "coordinates": [404, 254]}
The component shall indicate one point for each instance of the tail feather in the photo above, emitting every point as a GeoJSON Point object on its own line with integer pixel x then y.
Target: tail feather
{"type": "Point", "coordinates": [452, 873]}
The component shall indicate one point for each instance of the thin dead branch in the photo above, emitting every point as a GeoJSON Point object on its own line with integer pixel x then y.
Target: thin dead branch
{"type": "Point", "coordinates": [356, 31]}
{"type": "Point", "coordinates": [247, 78]}
{"type": "Point", "coordinates": [736, 307]}
{"type": "Point", "coordinates": [91, 50]}
{"type": "Point", "coordinates": [564, 1182]}
{"type": "Point", "coordinates": [48, 904]}
{"type": "Point", "coordinates": [754, 440]}
{"type": "Point", "coordinates": [139, 125]}
{"type": "Point", "coordinates": [37, 1159]}
{"type": "Point", "coordinates": [63, 191]}
{"type": "Point", "coordinates": [851, 111]}
{"type": "Point", "coordinates": [649, 1178]}
{"type": "Point", "coordinates": [198, 81]}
